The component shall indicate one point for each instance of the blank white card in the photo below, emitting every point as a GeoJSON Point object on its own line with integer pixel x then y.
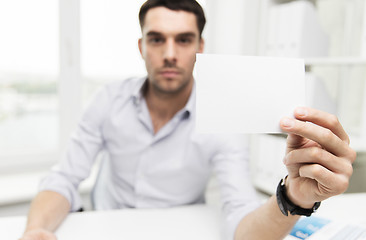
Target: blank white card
{"type": "Point", "coordinates": [242, 94]}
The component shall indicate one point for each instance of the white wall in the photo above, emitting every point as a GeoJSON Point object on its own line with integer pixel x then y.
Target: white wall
{"type": "Point", "coordinates": [232, 27]}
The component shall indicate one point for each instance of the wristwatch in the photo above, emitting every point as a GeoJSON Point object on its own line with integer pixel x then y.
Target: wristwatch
{"type": "Point", "coordinates": [287, 206]}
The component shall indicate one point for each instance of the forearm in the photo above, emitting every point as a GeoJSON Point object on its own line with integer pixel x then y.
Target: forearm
{"type": "Point", "coordinates": [47, 211]}
{"type": "Point", "coordinates": [266, 222]}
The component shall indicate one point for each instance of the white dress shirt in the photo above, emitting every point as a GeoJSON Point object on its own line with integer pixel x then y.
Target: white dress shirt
{"type": "Point", "coordinates": [147, 170]}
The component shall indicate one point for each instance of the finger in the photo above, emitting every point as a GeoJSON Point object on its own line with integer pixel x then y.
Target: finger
{"type": "Point", "coordinates": [328, 182]}
{"type": "Point", "coordinates": [319, 156]}
{"type": "Point", "coordinates": [293, 170]}
{"type": "Point", "coordinates": [321, 135]}
{"type": "Point", "coordinates": [295, 141]}
{"type": "Point", "coordinates": [323, 119]}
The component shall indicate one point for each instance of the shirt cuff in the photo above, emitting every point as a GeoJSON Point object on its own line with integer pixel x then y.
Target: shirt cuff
{"type": "Point", "coordinates": [59, 183]}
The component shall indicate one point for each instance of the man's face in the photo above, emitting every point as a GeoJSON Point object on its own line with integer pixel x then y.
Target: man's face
{"type": "Point", "coordinates": [169, 43]}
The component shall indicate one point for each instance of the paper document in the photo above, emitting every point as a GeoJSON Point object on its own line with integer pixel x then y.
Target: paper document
{"type": "Point", "coordinates": [241, 94]}
{"type": "Point", "coordinates": [317, 228]}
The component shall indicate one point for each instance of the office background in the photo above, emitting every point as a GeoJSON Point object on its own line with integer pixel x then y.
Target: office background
{"type": "Point", "coordinates": [55, 54]}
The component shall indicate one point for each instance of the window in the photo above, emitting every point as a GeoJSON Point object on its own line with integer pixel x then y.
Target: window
{"type": "Point", "coordinates": [28, 80]}
{"type": "Point", "coordinates": [109, 35]}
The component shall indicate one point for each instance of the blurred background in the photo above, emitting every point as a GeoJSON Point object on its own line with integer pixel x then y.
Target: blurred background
{"type": "Point", "coordinates": [55, 54]}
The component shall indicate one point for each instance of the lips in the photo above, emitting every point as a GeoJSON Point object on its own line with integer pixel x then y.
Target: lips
{"type": "Point", "coordinates": [169, 73]}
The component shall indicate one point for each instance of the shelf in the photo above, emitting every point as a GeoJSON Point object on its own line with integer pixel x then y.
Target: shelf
{"type": "Point", "coordinates": [335, 61]}
{"type": "Point", "coordinates": [358, 143]}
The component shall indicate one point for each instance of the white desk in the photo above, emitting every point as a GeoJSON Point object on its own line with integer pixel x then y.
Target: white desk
{"type": "Point", "coordinates": [188, 222]}
{"type": "Point", "coordinates": [345, 207]}
{"type": "Point", "coordinates": [182, 223]}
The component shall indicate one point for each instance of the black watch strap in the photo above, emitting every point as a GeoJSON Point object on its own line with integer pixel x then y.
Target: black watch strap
{"type": "Point", "coordinates": [286, 205]}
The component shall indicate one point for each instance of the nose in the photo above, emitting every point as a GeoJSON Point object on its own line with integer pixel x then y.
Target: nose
{"type": "Point", "coordinates": [170, 52]}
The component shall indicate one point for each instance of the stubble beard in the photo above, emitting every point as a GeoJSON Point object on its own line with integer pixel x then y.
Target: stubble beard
{"type": "Point", "coordinates": [182, 83]}
{"type": "Point", "coordinates": [169, 92]}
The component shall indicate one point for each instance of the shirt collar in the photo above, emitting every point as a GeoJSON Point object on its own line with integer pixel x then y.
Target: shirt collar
{"type": "Point", "coordinates": [138, 91]}
{"type": "Point", "coordinates": [189, 108]}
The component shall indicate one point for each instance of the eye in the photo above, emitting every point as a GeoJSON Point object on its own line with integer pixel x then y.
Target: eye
{"type": "Point", "coordinates": [184, 40]}
{"type": "Point", "coordinates": [156, 40]}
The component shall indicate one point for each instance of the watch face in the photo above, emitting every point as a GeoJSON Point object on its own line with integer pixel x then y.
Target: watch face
{"type": "Point", "coordinates": [316, 206]}
{"type": "Point", "coordinates": [280, 199]}
{"type": "Point", "coordinates": [282, 208]}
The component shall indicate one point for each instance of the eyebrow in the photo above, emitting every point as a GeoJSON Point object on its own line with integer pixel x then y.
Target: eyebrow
{"type": "Point", "coordinates": [153, 33]}
{"type": "Point", "coordinates": [185, 34]}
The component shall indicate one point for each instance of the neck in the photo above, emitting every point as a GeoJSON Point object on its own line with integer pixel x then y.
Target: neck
{"type": "Point", "coordinates": [163, 106]}
{"type": "Point", "coordinates": [167, 104]}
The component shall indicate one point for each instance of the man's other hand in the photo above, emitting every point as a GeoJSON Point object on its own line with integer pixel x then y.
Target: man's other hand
{"type": "Point", "coordinates": [38, 234]}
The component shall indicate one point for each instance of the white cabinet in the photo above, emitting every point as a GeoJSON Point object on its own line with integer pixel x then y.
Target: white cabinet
{"type": "Point", "coordinates": [331, 36]}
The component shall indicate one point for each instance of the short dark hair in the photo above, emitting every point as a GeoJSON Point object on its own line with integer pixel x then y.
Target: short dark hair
{"type": "Point", "coordinates": [185, 5]}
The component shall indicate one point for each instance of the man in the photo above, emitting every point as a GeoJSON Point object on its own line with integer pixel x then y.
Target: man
{"type": "Point", "coordinates": [156, 160]}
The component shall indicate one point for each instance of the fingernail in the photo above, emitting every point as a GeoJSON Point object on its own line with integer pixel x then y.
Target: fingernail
{"type": "Point", "coordinates": [301, 112]}
{"type": "Point", "coordinates": [288, 122]}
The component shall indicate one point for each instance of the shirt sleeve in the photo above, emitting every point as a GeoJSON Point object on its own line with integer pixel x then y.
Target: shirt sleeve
{"type": "Point", "coordinates": [231, 168]}
{"type": "Point", "coordinates": [85, 144]}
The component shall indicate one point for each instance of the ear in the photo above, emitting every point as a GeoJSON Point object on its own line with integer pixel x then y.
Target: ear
{"type": "Point", "coordinates": [140, 47]}
{"type": "Point", "coordinates": [201, 45]}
